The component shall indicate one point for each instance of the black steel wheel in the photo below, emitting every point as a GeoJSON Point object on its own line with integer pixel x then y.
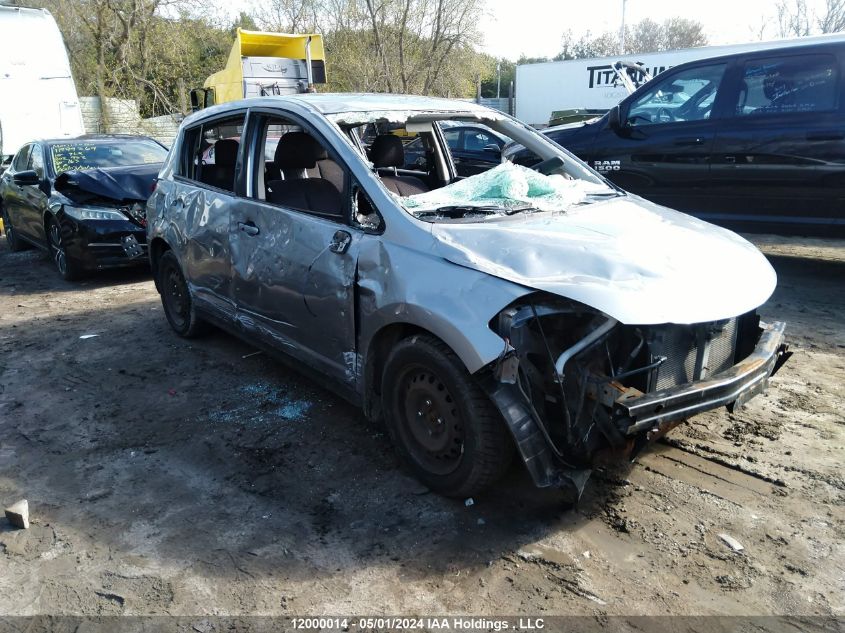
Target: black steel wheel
{"type": "Point", "coordinates": [176, 298]}
{"type": "Point", "coordinates": [431, 420]}
{"type": "Point", "coordinates": [445, 428]}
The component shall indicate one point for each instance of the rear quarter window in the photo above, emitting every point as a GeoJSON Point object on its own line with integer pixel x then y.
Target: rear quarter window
{"type": "Point", "coordinates": [788, 85]}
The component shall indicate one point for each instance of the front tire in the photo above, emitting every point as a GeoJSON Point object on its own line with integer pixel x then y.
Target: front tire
{"type": "Point", "coordinates": [176, 298]}
{"type": "Point", "coordinates": [14, 243]}
{"type": "Point", "coordinates": [68, 268]}
{"type": "Point", "coordinates": [444, 427]}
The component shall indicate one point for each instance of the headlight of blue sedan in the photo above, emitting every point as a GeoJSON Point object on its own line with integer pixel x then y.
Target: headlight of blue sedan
{"type": "Point", "coordinates": [93, 213]}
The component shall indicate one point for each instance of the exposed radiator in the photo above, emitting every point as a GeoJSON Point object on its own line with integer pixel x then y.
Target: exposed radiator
{"type": "Point", "coordinates": [693, 352]}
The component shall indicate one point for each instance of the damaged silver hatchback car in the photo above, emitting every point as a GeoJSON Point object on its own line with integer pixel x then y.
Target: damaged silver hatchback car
{"type": "Point", "coordinates": [542, 310]}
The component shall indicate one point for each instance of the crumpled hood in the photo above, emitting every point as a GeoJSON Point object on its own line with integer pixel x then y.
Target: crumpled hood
{"type": "Point", "coordinates": [634, 260]}
{"type": "Point", "coordinates": [118, 184]}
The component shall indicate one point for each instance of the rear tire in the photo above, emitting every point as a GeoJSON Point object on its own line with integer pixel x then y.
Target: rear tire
{"type": "Point", "coordinates": [14, 243]}
{"type": "Point", "coordinates": [444, 427]}
{"type": "Point", "coordinates": [176, 298]}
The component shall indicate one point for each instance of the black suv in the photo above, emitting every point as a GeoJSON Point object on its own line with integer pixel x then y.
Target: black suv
{"type": "Point", "coordinates": [754, 141]}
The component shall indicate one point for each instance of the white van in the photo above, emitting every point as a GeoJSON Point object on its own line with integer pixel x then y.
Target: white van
{"type": "Point", "coordinates": [37, 95]}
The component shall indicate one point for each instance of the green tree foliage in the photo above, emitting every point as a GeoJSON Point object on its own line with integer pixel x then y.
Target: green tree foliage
{"type": "Point", "coordinates": [140, 49]}
{"type": "Point", "coordinates": [646, 36]}
{"type": "Point", "coordinates": [153, 51]}
{"type": "Point", "coordinates": [404, 46]}
{"type": "Point", "coordinates": [507, 70]}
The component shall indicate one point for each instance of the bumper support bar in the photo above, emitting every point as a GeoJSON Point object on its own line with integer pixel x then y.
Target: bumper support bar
{"type": "Point", "coordinates": [732, 388]}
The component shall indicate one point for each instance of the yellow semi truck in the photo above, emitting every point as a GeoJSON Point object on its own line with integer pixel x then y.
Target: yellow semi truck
{"type": "Point", "coordinates": [264, 63]}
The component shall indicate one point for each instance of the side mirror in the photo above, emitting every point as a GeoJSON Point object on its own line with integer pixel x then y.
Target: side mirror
{"type": "Point", "coordinates": [27, 177]}
{"type": "Point", "coordinates": [492, 148]}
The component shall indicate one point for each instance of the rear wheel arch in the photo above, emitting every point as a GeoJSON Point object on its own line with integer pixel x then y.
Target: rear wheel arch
{"type": "Point", "coordinates": [158, 247]}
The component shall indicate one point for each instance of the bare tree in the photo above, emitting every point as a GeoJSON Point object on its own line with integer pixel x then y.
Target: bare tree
{"type": "Point", "coordinates": [795, 19]}
{"type": "Point", "coordinates": [404, 46]}
{"type": "Point", "coordinates": [833, 18]}
{"type": "Point", "coordinates": [288, 16]}
{"type": "Point", "coordinates": [139, 49]}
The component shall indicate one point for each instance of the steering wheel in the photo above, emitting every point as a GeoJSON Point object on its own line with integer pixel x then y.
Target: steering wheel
{"type": "Point", "coordinates": [664, 115]}
{"type": "Point", "coordinates": [646, 120]}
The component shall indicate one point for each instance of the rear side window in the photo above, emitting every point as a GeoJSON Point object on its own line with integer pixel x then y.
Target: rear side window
{"type": "Point", "coordinates": [210, 152]}
{"type": "Point", "coordinates": [785, 85]}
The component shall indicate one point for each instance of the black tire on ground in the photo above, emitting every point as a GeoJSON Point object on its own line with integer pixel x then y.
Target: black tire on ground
{"type": "Point", "coordinates": [68, 268]}
{"type": "Point", "coordinates": [444, 427]}
{"type": "Point", "coordinates": [176, 298]}
{"type": "Point", "coordinates": [14, 243]}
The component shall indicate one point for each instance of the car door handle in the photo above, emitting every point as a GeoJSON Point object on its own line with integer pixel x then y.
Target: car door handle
{"type": "Point", "coordinates": [249, 228]}
{"type": "Point", "coordinates": [826, 135]}
{"type": "Point", "coordinates": [340, 242]}
{"type": "Point", "coordinates": [693, 140]}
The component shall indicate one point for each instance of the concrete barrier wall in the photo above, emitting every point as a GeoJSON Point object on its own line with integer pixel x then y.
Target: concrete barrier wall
{"type": "Point", "coordinates": [121, 116]}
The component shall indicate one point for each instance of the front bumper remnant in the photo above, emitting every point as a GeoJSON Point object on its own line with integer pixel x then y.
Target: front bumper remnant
{"type": "Point", "coordinates": [634, 418]}
{"type": "Point", "coordinates": [732, 388]}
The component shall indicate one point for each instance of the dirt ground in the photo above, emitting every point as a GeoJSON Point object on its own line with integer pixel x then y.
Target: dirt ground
{"type": "Point", "coordinates": [184, 478]}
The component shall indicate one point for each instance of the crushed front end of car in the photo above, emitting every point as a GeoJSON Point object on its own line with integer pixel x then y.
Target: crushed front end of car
{"type": "Point", "coordinates": [579, 389]}
{"type": "Point", "coordinates": [102, 214]}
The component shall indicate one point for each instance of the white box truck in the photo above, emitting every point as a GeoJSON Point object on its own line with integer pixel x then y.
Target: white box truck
{"type": "Point", "coordinates": [37, 95]}
{"type": "Point", "coordinates": [593, 85]}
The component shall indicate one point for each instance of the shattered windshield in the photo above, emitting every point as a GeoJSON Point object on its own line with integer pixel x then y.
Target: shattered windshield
{"type": "Point", "coordinates": [94, 155]}
{"type": "Point", "coordinates": [444, 166]}
{"type": "Point", "coordinates": [503, 190]}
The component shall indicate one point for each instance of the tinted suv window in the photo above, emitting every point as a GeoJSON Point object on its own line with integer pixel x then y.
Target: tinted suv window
{"type": "Point", "coordinates": [780, 85]}
{"type": "Point", "coordinates": [210, 152]}
{"type": "Point", "coordinates": [453, 139]}
{"type": "Point", "coordinates": [477, 141]}
{"type": "Point", "coordinates": [687, 95]}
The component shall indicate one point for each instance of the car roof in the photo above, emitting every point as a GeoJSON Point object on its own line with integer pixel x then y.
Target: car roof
{"type": "Point", "coordinates": [338, 104]}
{"type": "Point", "coordinates": [793, 47]}
{"type": "Point", "coordinates": [102, 138]}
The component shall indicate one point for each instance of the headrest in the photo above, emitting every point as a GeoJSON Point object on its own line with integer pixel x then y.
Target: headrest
{"type": "Point", "coordinates": [226, 152]}
{"type": "Point", "coordinates": [387, 151]}
{"type": "Point", "coordinates": [298, 150]}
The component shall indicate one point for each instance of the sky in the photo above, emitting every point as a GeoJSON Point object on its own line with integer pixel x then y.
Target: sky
{"type": "Point", "coordinates": [511, 28]}
{"type": "Point", "coordinates": [535, 27]}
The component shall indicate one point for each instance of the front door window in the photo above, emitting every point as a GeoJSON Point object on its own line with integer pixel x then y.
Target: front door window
{"type": "Point", "coordinates": [687, 95]}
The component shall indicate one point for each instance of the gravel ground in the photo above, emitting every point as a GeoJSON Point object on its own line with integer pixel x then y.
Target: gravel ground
{"type": "Point", "coordinates": [183, 478]}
